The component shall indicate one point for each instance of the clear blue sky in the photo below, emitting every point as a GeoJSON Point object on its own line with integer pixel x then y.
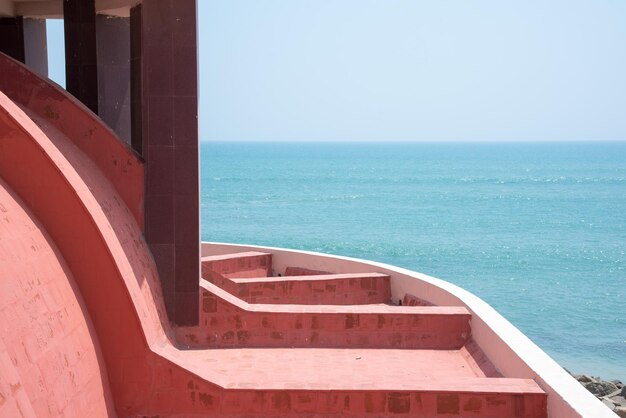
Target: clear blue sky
{"type": "Point", "coordinates": [409, 70]}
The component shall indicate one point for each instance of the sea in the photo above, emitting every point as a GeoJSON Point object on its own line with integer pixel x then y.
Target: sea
{"type": "Point", "coordinates": [537, 230]}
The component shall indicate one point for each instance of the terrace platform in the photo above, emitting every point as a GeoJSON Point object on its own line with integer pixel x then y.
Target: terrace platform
{"type": "Point", "coordinates": [369, 358]}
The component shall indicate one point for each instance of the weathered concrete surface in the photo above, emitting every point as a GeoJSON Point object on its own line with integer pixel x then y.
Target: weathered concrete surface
{"type": "Point", "coordinates": [50, 358]}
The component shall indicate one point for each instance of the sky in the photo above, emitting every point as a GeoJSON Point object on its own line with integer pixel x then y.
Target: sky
{"type": "Point", "coordinates": [407, 70]}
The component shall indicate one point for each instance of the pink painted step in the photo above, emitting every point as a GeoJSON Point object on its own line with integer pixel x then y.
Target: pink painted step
{"type": "Point", "coordinates": [227, 321]}
{"type": "Point", "coordinates": [478, 397]}
{"type": "Point", "coordinates": [412, 300]}
{"type": "Point", "coordinates": [322, 382]}
{"type": "Point", "coordinates": [239, 265]}
{"type": "Point", "coordinates": [218, 269]}
{"type": "Point", "coordinates": [328, 289]}
{"type": "Point", "coordinates": [301, 271]}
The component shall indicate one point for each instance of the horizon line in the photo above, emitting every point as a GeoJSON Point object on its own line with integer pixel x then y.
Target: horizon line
{"type": "Point", "coordinates": [382, 141]}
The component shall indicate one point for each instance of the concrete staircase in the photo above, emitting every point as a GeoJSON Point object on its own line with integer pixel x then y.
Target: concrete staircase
{"type": "Point", "coordinates": [249, 277]}
{"type": "Point", "coordinates": [309, 343]}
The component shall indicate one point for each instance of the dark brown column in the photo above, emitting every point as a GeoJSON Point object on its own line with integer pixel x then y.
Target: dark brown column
{"type": "Point", "coordinates": [169, 132]}
{"type": "Point", "coordinates": [81, 67]}
{"type": "Point", "coordinates": [12, 37]}
{"type": "Point", "coordinates": [113, 39]}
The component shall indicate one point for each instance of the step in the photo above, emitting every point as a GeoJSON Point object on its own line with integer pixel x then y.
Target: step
{"type": "Point", "coordinates": [362, 382]}
{"type": "Point", "coordinates": [327, 289]}
{"type": "Point", "coordinates": [236, 265]}
{"type": "Point", "coordinates": [412, 300]}
{"type": "Point", "coordinates": [301, 271]}
{"type": "Point", "coordinates": [227, 321]}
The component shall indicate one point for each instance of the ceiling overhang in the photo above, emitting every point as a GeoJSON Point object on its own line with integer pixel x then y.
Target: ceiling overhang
{"type": "Point", "coordinates": [53, 9]}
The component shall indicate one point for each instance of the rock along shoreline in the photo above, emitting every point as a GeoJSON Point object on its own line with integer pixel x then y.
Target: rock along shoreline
{"type": "Point", "coordinates": [612, 393]}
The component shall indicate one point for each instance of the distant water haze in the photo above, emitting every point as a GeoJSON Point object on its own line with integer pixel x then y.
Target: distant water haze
{"type": "Point", "coordinates": [538, 230]}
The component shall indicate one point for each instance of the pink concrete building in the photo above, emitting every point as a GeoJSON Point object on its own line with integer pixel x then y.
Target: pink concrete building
{"type": "Point", "coordinates": [111, 306]}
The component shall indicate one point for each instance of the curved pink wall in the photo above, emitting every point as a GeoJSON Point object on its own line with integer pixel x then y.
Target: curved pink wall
{"type": "Point", "coordinates": [88, 222]}
{"type": "Point", "coordinates": [50, 359]}
{"type": "Point", "coordinates": [103, 247]}
{"type": "Point", "coordinates": [117, 161]}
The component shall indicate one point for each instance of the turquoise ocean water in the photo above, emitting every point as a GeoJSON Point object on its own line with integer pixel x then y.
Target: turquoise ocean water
{"type": "Point", "coordinates": [536, 230]}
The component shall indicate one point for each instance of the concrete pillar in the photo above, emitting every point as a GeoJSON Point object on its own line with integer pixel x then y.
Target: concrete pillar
{"type": "Point", "coordinates": [26, 41]}
{"type": "Point", "coordinates": [136, 100]}
{"type": "Point", "coordinates": [113, 40]}
{"type": "Point", "coordinates": [81, 67]}
{"type": "Point", "coordinates": [36, 46]}
{"type": "Point", "coordinates": [167, 91]}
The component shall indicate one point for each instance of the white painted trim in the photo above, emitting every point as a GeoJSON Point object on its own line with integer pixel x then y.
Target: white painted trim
{"type": "Point", "coordinates": [53, 9]}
